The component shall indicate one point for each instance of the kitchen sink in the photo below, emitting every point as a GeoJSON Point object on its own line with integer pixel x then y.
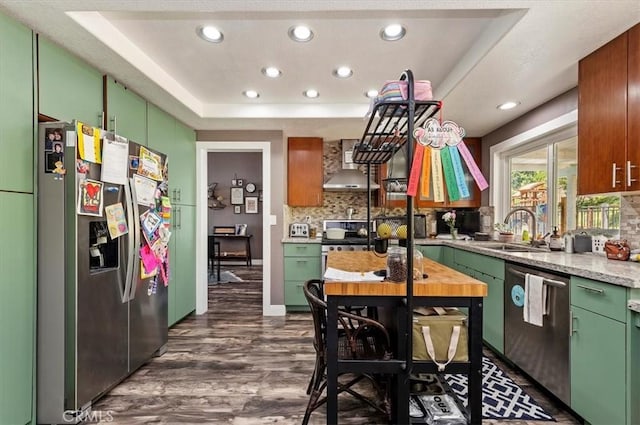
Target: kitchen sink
{"type": "Point", "coordinates": [514, 247]}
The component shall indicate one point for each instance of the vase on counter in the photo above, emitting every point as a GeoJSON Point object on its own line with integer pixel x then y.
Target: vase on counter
{"type": "Point", "coordinates": [454, 232]}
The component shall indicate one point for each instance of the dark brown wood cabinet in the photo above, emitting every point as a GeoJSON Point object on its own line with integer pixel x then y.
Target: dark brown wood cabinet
{"type": "Point", "coordinates": [608, 115]}
{"type": "Point", "coordinates": [473, 201]}
{"type": "Point", "coordinates": [304, 172]}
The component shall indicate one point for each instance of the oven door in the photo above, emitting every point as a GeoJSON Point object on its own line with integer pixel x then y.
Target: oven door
{"type": "Point", "coordinates": [325, 253]}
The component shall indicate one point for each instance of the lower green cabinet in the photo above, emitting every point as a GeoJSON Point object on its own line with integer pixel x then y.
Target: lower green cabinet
{"type": "Point", "coordinates": [447, 256]}
{"type": "Point", "coordinates": [598, 372]}
{"type": "Point", "coordinates": [433, 252]}
{"type": "Point", "coordinates": [302, 262]}
{"type": "Point", "coordinates": [17, 307]}
{"type": "Point", "coordinates": [182, 284]}
{"type": "Point", "coordinates": [493, 311]}
{"type": "Point", "coordinates": [489, 270]}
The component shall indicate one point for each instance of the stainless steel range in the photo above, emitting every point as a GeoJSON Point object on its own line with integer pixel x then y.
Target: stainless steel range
{"type": "Point", "coordinates": [354, 240]}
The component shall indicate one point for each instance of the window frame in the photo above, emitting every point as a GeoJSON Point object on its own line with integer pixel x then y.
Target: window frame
{"type": "Point", "coordinates": [553, 131]}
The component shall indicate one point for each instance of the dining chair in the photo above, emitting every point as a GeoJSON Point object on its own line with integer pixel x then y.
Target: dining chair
{"type": "Point", "coordinates": [359, 338]}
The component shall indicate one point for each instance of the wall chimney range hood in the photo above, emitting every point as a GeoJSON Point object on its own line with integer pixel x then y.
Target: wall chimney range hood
{"type": "Point", "coordinates": [349, 177]}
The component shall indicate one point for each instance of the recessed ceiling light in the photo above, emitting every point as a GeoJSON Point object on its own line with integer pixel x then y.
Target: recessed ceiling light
{"type": "Point", "coordinates": [251, 94]}
{"type": "Point", "coordinates": [311, 93]}
{"type": "Point", "coordinates": [371, 93]}
{"type": "Point", "coordinates": [300, 33]}
{"type": "Point", "coordinates": [210, 33]}
{"type": "Point", "coordinates": [343, 72]}
{"type": "Point", "coordinates": [271, 72]}
{"type": "Point", "coordinates": [393, 32]}
{"type": "Point", "coordinates": [508, 105]}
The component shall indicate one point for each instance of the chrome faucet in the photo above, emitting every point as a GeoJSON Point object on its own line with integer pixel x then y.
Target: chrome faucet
{"type": "Point", "coordinates": [533, 222]}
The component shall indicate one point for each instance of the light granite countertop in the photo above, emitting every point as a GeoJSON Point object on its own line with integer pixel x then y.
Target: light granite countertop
{"type": "Point", "coordinates": [587, 265]}
{"type": "Point", "coordinates": [301, 240]}
{"type": "Point", "coordinates": [634, 305]}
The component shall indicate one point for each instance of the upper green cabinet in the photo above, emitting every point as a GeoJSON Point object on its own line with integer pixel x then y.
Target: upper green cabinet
{"type": "Point", "coordinates": [183, 164]}
{"type": "Point", "coordinates": [177, 141]}
{"type": "Point", "coordinates": [126, 112]}
{"type": "Point", "coordinates": [68, 87]}
{"type": "Point", "coordinates": [16, 106]}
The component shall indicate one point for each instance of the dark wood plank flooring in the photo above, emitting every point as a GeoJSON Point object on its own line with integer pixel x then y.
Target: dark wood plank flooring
{"type": "Point", "coordinates": [234, 366]}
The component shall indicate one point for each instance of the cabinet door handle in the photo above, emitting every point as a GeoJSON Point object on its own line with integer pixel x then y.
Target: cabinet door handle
{"type": "Point", "coordinates": [596, 290]}
{"type": "Point", "coordinates": [614, 181]}
{"type": "Point", "coordinates": [629, 179]}
{"type": "Point", "coordinates": [101, 120]}
{"type": "Point", "coordinates": [301, 261]}
{"type": "Point", "coordinates": [114, 120]}
{"type": "Point", "coordinates": [572, 330]}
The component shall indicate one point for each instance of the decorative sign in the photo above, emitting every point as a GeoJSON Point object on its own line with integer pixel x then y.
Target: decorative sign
{"type": "Point", "coordinates": [440, 150]}
{"type": "Point", "coordinates": [436, 171]}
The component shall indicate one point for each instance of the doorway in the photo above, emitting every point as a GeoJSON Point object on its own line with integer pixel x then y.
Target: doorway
{"type": "Point", "coordinates": [202, 151]}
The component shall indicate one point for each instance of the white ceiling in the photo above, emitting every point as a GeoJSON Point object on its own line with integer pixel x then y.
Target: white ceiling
{"type": "Point", "coordinates": [477, 54]}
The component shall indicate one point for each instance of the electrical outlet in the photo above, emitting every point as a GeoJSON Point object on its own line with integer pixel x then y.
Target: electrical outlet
{"type": "Point", "coordinates": [597, 244]}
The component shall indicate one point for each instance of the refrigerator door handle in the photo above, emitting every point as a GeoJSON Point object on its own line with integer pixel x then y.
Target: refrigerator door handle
{"type": "Point", "coordinates": [131, 244]}
{"type": "Point", "coordinates": [136, 241]}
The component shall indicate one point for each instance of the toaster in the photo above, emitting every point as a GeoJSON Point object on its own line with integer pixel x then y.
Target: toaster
{"type": "Point", "coordinates": [299, 230]}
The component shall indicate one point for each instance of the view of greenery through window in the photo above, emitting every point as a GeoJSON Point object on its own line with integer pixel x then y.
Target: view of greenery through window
{"type": "Point", "coordinates": [556, 204]}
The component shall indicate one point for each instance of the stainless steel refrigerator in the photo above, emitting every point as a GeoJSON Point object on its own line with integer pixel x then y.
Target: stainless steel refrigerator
{"type": "Point", "coordinates": [98, 319]}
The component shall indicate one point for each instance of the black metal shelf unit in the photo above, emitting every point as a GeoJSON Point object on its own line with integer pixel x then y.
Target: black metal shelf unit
{"type": "Point", "coordinates": [389, 128]}
{"type": "Point", "coordinates": [391, 124]}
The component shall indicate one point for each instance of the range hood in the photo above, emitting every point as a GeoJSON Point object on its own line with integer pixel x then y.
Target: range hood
{"type": "Point", "coordinates": [349, 177]}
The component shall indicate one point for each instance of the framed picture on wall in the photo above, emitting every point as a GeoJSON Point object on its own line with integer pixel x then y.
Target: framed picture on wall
{"type": "Point", "coordinates": [237, 196]}
{"type": "Point", "coordinates": [241, 229]}
{"type": "Point", "coordinates": [237, 209]}
{"type": "Point", "coordinates": [251, 205]}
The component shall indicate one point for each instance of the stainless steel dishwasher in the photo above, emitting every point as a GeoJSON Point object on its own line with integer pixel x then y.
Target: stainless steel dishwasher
{"type": "Point", "coordinates": [541, 352]}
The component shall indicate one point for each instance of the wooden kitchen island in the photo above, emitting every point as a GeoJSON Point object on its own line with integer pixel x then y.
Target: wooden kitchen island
{"type": "Point", "coordinates": [443, 287]}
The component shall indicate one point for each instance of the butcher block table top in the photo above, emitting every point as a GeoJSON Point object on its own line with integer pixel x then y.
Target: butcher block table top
{"type": "Point", "coordinates": [441, 281]}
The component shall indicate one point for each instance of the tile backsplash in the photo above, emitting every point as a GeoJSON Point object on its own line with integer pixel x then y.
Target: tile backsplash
{"type": "Point", "coordinates": [630, 219]}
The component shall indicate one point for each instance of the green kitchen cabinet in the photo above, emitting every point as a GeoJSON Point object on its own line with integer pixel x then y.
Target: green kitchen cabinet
{"type": "Point", "coordinates": [493, 311]}
{"type": "Point", "coordinates": [184, 160]}
{"type": "Point", "coordinates": [177, 141]}
{"type": "Point", "coordinates": [16, 106]}
{"type": "Point", "coordinates": [68, 88]}
{"type": "Point", "coordinates": [126, 112]}
{"type": "Point", "coordinates": [447, 256]}
{"type": "Point", "coordinates": [17, 307]}
{"type": "Point", "coordinates": [598, 372]}
{"type": "Point", "coordinates": [433, 252]}
{"type": "Point", "coordinates": [489, 270]}
{"type": "Point", "coordinates": [182, 282]}
{"type": "Point", "coordinates": [302, 262]}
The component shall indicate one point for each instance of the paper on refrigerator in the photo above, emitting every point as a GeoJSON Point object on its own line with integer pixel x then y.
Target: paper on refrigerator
{"type": "Point", "coordinates": [116, 222]}
{"type": "Point", "coordinates": [115, 158]}
{"type": "Point", "coordinates": [145, 190]}
{"type": "Point", "coordinates": [89, 143]}
{"type": "Point", "coordinates": [150, 164]}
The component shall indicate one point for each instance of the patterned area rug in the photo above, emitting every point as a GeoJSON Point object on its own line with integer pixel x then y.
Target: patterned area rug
{"type": "Point", "coordinates": [501, 397]}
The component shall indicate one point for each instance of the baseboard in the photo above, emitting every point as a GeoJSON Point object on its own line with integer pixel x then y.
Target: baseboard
{"type": "Point", "coordinates": [274, 310]}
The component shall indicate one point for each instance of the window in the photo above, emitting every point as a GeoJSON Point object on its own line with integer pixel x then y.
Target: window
{"type": "Point", "coordinates": [541, 175]}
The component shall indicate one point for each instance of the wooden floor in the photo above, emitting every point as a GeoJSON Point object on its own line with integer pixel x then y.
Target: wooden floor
{"type": "Point", "coordinates": [234, 366]}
